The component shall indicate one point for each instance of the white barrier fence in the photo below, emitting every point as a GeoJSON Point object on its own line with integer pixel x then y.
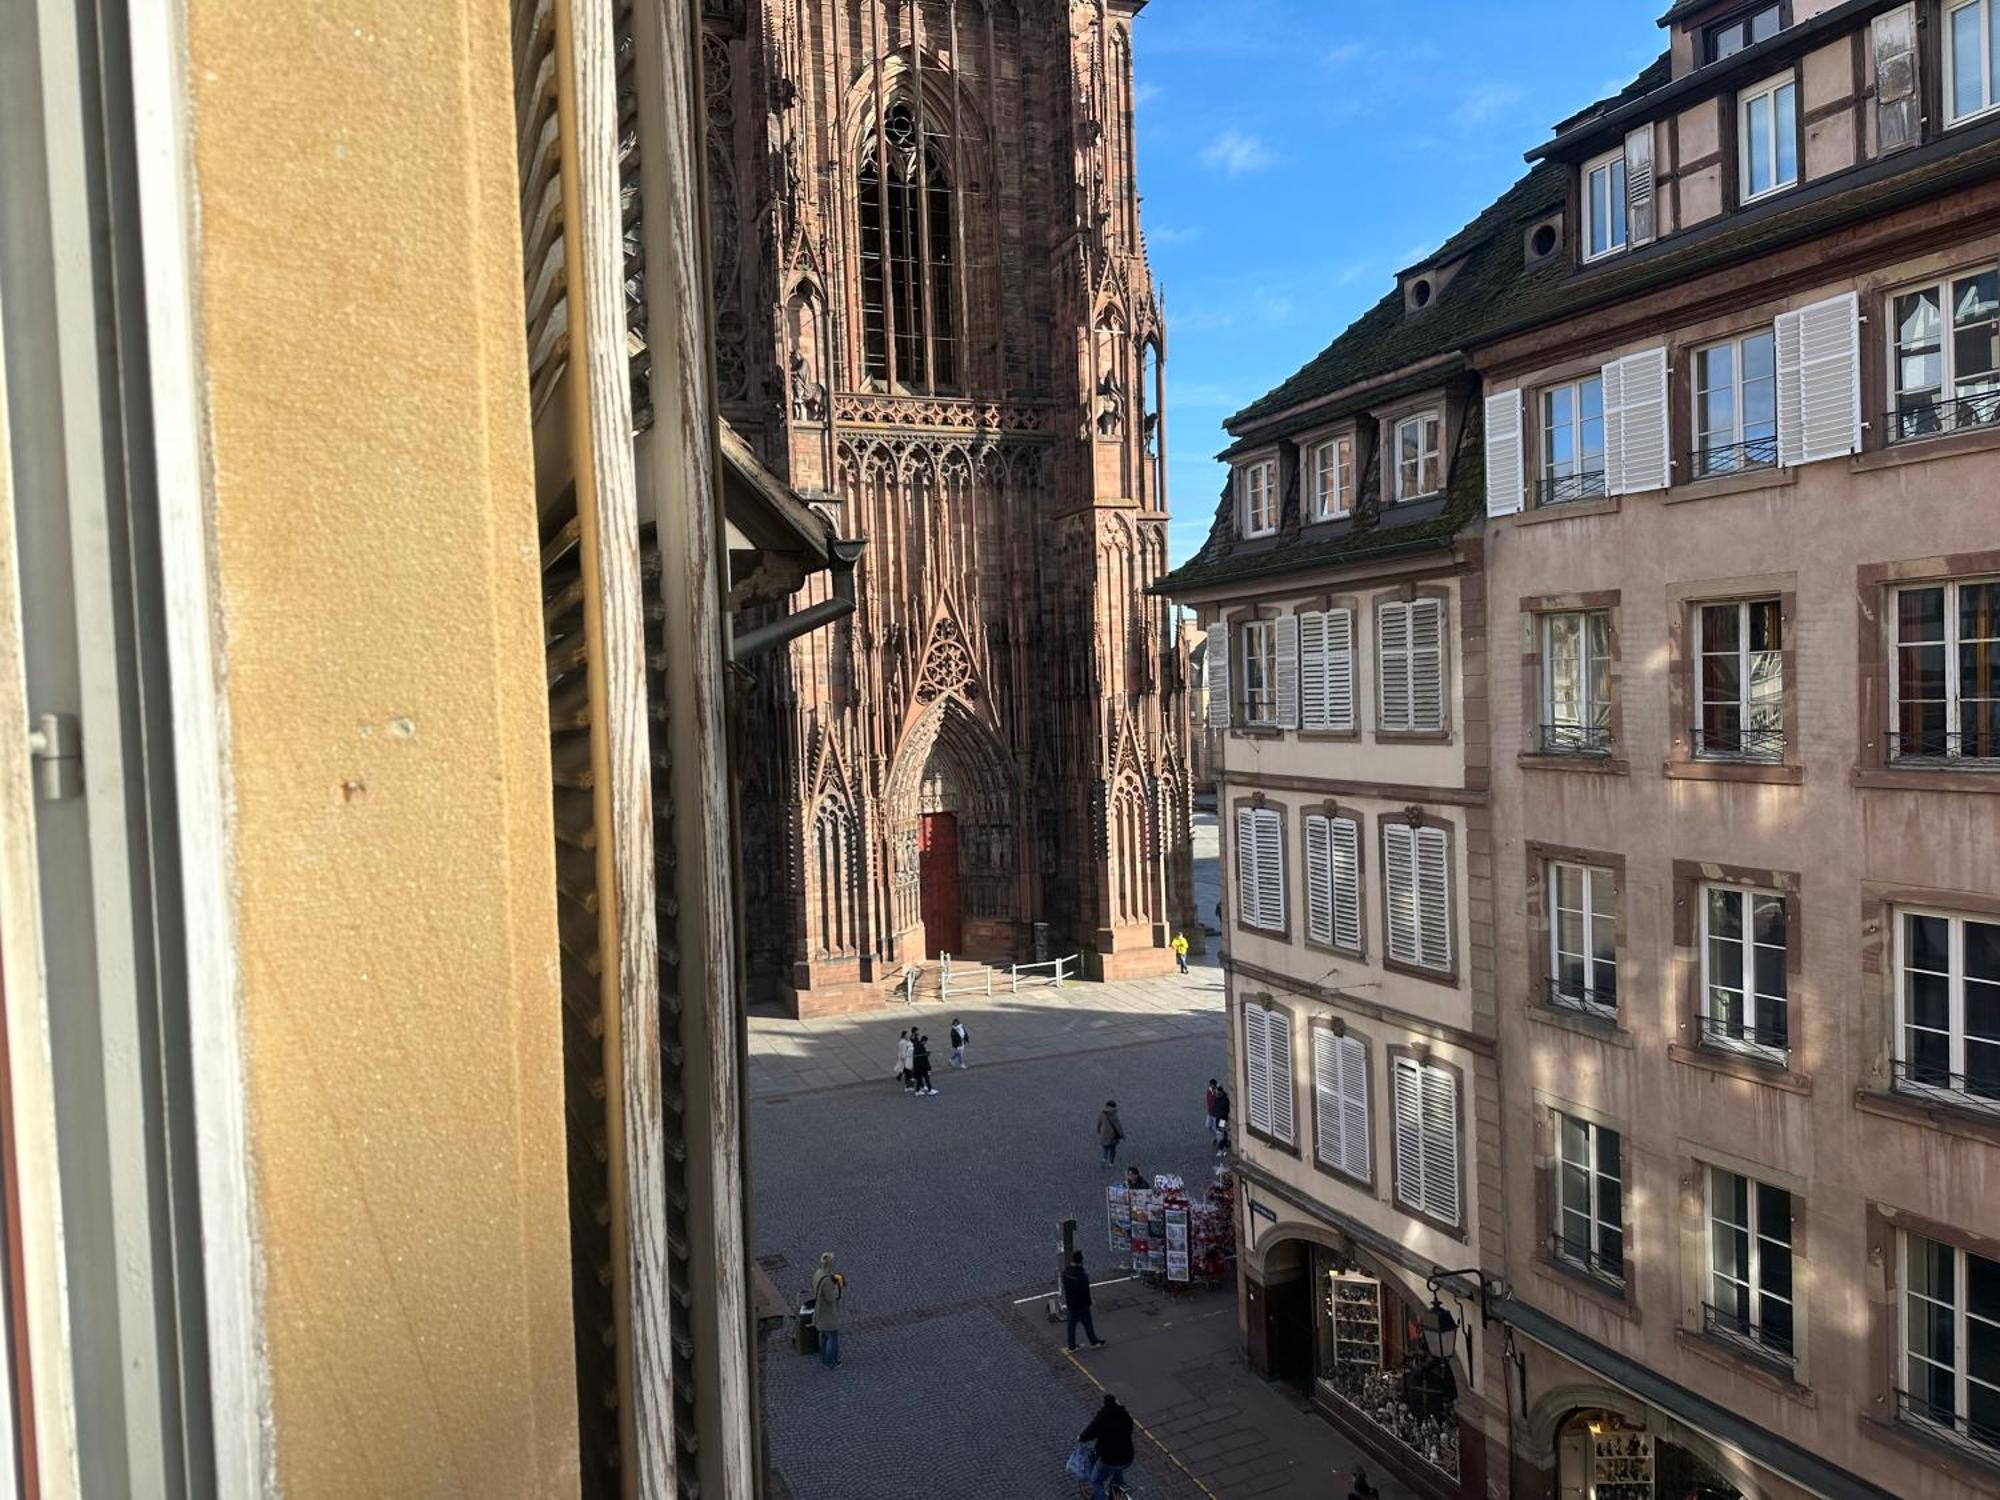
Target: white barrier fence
{"type": "Point", "coordinates": [1059, 970]}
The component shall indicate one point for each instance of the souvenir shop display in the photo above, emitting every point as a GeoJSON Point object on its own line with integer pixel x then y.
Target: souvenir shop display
{"type": "Point", "coordinates": [1118, 1212]}
{"type": "Point", "coordinates": [1354, 1302]}
{"type": "Point", "coordinates": [1621, 1465]}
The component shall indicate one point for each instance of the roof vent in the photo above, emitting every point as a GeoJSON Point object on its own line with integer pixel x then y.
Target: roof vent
{"type": "Point", "coordinates": [1542, 239]}
{"type": "Point", "coordinates": [1425, 284]}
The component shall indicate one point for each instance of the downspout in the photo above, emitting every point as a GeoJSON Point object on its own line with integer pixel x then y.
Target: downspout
{"type": "Point", "coordinates": [756, 642]}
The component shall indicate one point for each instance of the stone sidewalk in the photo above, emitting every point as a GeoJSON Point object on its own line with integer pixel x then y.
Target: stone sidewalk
{"type": "Point", "coordinates": [790, 1056]}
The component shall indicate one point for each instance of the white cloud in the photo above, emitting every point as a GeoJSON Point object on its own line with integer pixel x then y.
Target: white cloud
{"type": "Point", "coordinates": [1145, 91]}
{"type": "Point", "coordinates": [1340, 55]}
{"type": "Point", "coordinates": [1484, 103]}
{"type": "Point", "coordinates": [1237, 154]}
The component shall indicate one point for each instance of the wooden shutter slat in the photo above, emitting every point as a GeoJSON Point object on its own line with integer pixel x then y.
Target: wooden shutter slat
{"type": "Point", "coordinates": [1329, 1125]}
{"type": "Point", "coordinates": [1344, 876]}
{"type": "Point", "coordinates": [1392, 665]}
{"type": "Point", "coordinates": [1642, 421]}
{"type": "Point", "coordinates": [1440, 1144]}
{"type": "Point", "coordinates": [1319, 879]}
{"type": "Point", "coordinates": [1314, 691]}
{"type": "Point", "coordinates": [1434, 897]}
{"type": "Point", "coordinates": [1281, 1074]}
{"type": "Point", "coordinates": [1355, 1143]}
{"type": "Point", "coordinates": [1245, 870]}
{"type": "Point", "coordinates": [1287, 653]}
{"type": "Point", "coordinates": [1640, 208]}
{"type": "Point", "coordinates": [1819, 380]}
{"type": "Point", "coordinates": [1270, 871]}
{"type": "Point", "coordinates": [1406, 1089]}
{"type": "Point", "coordinates": [1340, 669]}
{"type": "Point", "coordinates": [1611, 377]}
{"type": "Point", "coordinates": [1898, 119]}
{"type": "Point", "coordinates": [1216, 662]}
{"type": "Point", "coordinates": [1503, 454]}
{"type": "Point", "coordinates": [1256, 1067]}
{"type": "Point", "coordinates": [1426, 664]}
{"type": "Point", "coordinates": [1399, 875]}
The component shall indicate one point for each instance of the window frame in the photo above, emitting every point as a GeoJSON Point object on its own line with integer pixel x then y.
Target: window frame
{"type": "Point", "coordinates": [1429, 422]}
{"type": "Point", "coordinates": [1981, 408]}
{"type": "Point", "coordinates": [1247, 489]}
{"type": "Point", "coordinates": [1740, 17]}
{"type": "Point", "coordinates": [1547, 483]}
{"type": "Point", "coordinates": [1616, 211]}
{"type": "Point", "coordinates": [1948, 52]}
{"type": "Point", "coordinates": [1590, 1258]}
{"type": "Point", "coordinates": [1955, 1017]}
{"type": "Point", "coordinates": [1708, 1035]}
{"type": "Point", "coordinates": [1702, 452]}
{"type": "Point", "coordinates": [1697, 749]}
{"type": "Point", "coordinates": [1954, 700]}
{"type": "Point", "coordinates": [1247, 632]}
{"type": "Point", "coordinates": [1769, 89]}
{"type": "Point", "coordinates": [1592, 738]}
{"type": "Point", "coordinates": [1716, 1321]}
{"type": "Point", "coordinates": [1314, 472]}
{"type": "Point", "coordinates": [1960, 1368]}
{"type": "Point", "coordinates": [1556, 996]}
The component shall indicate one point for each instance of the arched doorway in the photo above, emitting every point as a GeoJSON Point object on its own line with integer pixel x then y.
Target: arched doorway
{"type": "Point", "coordinates": [1621, 1453]}
{"type": "Point", "coordinates": [952, 808]}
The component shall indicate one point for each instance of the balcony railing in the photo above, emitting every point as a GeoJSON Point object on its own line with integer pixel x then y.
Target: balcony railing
{"type": "Point", "coordinates": [1943, 744]}
{"type": "Point", "coordinates": [1946, 1087]}
{"type": "Point", "coordinates": [1742, 742]}
{"type": "Point", "coordinates": [1589, 1003]}
{"type": "Point", "coordinates": [1770, 1042]}
{"type": "Point", "coordinates": [1733, 1328]}
{"type": "Point", "coordinates": [1560, 489]}
{"type": "Point", "coordinates": [1587, 1257]}
{"type": "Point", "coordinates": [1960, 1431]}
{"type": "Point", "coordinates": [1918, 418]}
{"type": "Point", "coordinates": [1736, 458]}
{"type": "Point", "coordinates": [1575, 739]}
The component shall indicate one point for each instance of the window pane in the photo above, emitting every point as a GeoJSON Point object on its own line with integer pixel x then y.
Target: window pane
{"type": "Point", "coordinates": [1930, 1266]}
{"type": "Point", "coordinates": [1600, 216]}
{"type": "Point", "coordinates": [1617, 176]}
{"type": "Point", "coordinates": [1604, 900]}
{"type": "Point", "coordinates": [1967, 85]}
{"type": "Point", "coordinates": [1763, 24]}
{"type": "Point", "coordinates": [1774, 1215]}
{"type": "Point", "coordinates": [1757, 145]}
{"type": "Point", "coordinates": [1608, 1155]}
{"type": "Point", "coordinates": [1575, 1140]}
{"type": "Point", "coordinates": [1760, 389]}
{"type": "Point", "coordinates": [1786, 127]}
{"type": "Point", "coordinates": [1725, 914]}
{"type": "Point", "coordinates": [1982, 1293]}
{"type": "Point", "coordinates": [1715, 407]}
{"type": "Point", "coordinates": [1927, 943]}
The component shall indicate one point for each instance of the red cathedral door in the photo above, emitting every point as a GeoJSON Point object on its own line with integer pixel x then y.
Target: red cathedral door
{"type": "Point", "coordinates": [937, 865]}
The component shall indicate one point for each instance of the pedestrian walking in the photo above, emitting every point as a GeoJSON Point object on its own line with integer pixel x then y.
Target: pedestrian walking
{"type": "Point", "coordinates": [1221, 1118]}
{"type": "Point", "coordinates": [1362, 1489]}
{"type": "Point", "coordinates": [1109, 1132]}
{"type": "Point", "coordinates": [1111, 1430]}
{"type": "Point", "coordinates": [1076, 1299]}
{"type": "Point", "coordinates": [829, 1290]}
{"type": "Point", "coordinates": [959, 1037]}
{"type": "Point", "coordinates": [1208, 1107]}
{"type": "Point", "coordinates": [906, 1046]}
{"type": "Point", "coordinates": [920, 1060]}
{"type": "Point", "coordinates": [1180, 946]}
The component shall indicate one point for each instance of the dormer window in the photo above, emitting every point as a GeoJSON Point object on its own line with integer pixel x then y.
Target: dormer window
{"type": "Point", "coordinates": [1767, 123]}
{"type": "Point", "coordinates": [1604, 205]}
{"type": "Point", "coordinates": [1971, 29]}
{"type": "Point", "coordinates": [1419, 466]}
{"type": "Point", "coordinates": [1258, 495]}
{"type": "Point", "coordinates": [1330, 477]}
{"type": "Point", "coordinates": [1744, 29]}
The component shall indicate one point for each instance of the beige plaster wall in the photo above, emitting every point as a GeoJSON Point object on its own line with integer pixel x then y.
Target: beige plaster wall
{"type": "Point", "coordinates": [359, 289]}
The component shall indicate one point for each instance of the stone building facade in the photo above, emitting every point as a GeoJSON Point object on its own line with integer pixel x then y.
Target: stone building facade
{"type": "Point", "coordinates": [936, 319]}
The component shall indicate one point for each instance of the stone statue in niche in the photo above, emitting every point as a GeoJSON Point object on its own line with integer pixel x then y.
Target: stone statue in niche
{"type": "Point", "coordinates": [1110, 406]}
{"type": "Point", "coordinates": [1152, 433]}
{"type": "Point", "coordinates": [808, 394]}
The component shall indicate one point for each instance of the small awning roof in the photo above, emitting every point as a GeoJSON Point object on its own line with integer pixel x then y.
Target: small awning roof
{"type": "Point", "coordinates": [763, 512]}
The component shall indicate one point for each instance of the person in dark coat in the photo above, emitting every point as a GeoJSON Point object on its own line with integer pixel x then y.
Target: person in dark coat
{"type": "Point", "coordinates": [1076, 1297]}
{"type": "Point", "coordinates": [920, 1059]}
{"type": "Point", "coordinates": [1109, 1132]}
{"type": "Point", "coordinates": [1111, 1430]}
{"type": "Point", "coordinates": [1221, 1118]}
{"type": "Point", "coordinates": [1208, 1106]}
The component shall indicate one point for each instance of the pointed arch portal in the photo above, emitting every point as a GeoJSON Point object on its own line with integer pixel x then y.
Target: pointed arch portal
{"type": "Point", "coordinates": [951, 813]}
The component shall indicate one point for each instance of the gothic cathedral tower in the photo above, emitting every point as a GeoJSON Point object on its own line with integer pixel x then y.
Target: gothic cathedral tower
{"type": "Point", "coordinates": [936, 321]}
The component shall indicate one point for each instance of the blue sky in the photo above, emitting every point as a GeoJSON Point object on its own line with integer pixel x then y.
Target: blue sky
{"type": "Point", "coordinates": [1295, 154]}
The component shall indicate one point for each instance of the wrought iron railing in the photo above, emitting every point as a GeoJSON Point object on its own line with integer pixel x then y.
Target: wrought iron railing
{"type": "Point", "coordinates": [1735, 458]}
{"type": "Point", "coordinates": [1943, 744]}
{"type": "Point", "coordinates": [1561, 489]}
{"type": "Point", "coordinates": [1945, 1086]}
{"type": "Point", "coordinates": [1734, 1328]}
{"type": "Point", "coordinates": [1577, 1253]}
{"type": "Point", "coordinates": [1589, 1003]}
{"type": "Point", "coordinates": [1741, 1036]}
{"type": "Point", "coordinates": [1740, 742]}
{"type": "Point", "coordinates": [1975, 1438]}
{"type": "Point", "coordinates": [1575, 739]}
{"type": "Point", "coordinates": [1914, 419]}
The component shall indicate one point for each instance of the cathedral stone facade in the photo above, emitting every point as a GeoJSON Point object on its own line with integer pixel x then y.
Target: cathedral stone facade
{"type": "Point", "coordinates": [936, 320]}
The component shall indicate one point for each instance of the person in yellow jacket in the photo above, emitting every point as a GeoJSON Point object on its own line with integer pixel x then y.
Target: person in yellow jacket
{"type": "Point", "coordinates": [1180, 946]}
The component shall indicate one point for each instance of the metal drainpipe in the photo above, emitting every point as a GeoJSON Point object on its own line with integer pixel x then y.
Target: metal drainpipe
{"type": "Point", "coordinates": [763, 638]}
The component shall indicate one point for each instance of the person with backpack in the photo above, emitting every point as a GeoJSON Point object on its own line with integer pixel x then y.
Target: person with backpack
{"type": "Point", "coordinates": [1076, 1300]}
{"type": "Point", "coordinates": [1111, 1429]}
{"type": "Point", "coordinates": [1221, 1118]}
{"type": "Point", "coordinates": [920, 1061]}
{"type": "Point", "coordinates": [829, 1289]}
{"type": "Point", "coordinates": [1109, 1132]}
{"type": "Point", "coordinates": [959, 1037]}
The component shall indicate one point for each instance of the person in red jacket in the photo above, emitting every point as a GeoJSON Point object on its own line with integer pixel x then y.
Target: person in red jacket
{"type": "Point", "coordinates": [1111, 1430]}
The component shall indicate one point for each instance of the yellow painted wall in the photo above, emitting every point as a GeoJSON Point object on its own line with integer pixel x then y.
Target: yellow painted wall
{"type": "Point", "coordinates": [359, 291]}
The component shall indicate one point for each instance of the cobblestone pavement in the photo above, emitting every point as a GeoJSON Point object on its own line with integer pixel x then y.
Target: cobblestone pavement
{"type": "Point", "coordinates": [943, 1210]}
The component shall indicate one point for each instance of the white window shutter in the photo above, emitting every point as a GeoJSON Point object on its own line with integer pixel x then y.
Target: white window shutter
{"type": "Point", "coordinates": [1354, 1106]}
{"type": "Point", "coordinates": [1440, 1135]}
{"type": "Point", "coordinates": [1257, 1066]}
{"type": "Point", "coordinates": [1898, 111]}
{"type": "Point", "coordinates": [1280, 1072]}
{"type": "Point", "coordinates": [1399, 874]}
{"type": "Point", "coordinates": [1329, 1119]}
{"type": "Point", "coordinates": [1216, 663]}
{"type": "Point", "coordinates": [1288, 671]}
{"type": "Point", "coordinates": [1313, 671]}
{"type": "Point", "coordinates": [1503, 453]}
{"type": "Point", "coordinates": [1246, 867]}
{"type": "Point", "coordinates": [1340, 669]}
{"type": "Point", "coordinates": [1407, 1089]}
{"type": "Point", "coordinates": [1392, 666]}
{"type": "Point", "coordinates": [1344, 841]}
{"type": "Point", "coordinates": [1319, 879]}
{"type": "Point", "coordinates": [1642, 423]}
{"type": "Point", "coordinates": [1613, 378]}
{"type": "Point", "coordinates": [1427, 664]}
{"type": "Point", "coordinates": [1434, 897]}
{"type": "Point", "coordinates": [1640, 211]}
{"type": "Point", "coordinates": [1819, 380]}
{"type": "Point", "coordinates": [1270, 872]}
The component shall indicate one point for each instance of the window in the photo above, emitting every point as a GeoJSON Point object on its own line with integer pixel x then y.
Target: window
{"type": "Point", "coordinates": [1749, 1301]}
{"type": "Point", "coordinates": [1426, 1099]}
{"type": "Point", "coordinates": [1572, 442]}
{"type": "Point", "coordinates": [1743, 947]}
{"type": "Point", "coordinates": [1768, 129]}
{"type": "Point", "coordinates": [1947, 679]}
{"type": "Point", "coordinates": [1340, 1102]}
{"type": "Point", "coordinates": [1330, 474]}
{"type": "Point", "coordinates": [1583, 938]}
{"type": "Point", "coordinates": [1947, 378]}
{"type": "Point", "coordinates": [1260, 497]}
{"type": "Point", "coordinates": [1739, 681]}
{"type": "Point", "coordinates": [1267, 1072]}
{"type": "Point", "coordinates": [1727, 38]}
{"type": "Point", "coordinates": [1260, 672]}
{"type": "Point", "coordinates": [1260, 869]}
{"type": "Point", "coordinates": [1604, 205]}
{"type": "Point", "coordinates": [1951, 1343]}
{"type": "Point", "coordinates": [1409, 666]}
{"type": "Point", "coordinates": [1969, 39]}
{"type": "Point", "coordinates": [1419, 471]}
{"type": "Point", "coordinates": [906, 268]}
{"type": "Point", "coordinates": [1576, 683]}
{"type": "Point", "coordinates": [1590, 1198]}
{"type": "Point", "coordinates": [1326, 670]}
{"type": "Point", "coordinates": [1948, 1007]}
{"type": "Point", "coordinates": [1736, 406]}
{"type": "Point", "coordinates": [1416, 869]}
{"type": "Point", "coordinates": [1333, 882]}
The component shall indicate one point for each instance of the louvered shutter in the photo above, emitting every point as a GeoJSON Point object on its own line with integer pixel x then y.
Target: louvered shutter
{"type": "Point", "coordinates": [1340, 669]}
{"type": "Point", "coordinates": [1640, 213]}
{"type": "Point", "coordinates": [1270, 872]}
{"type": "Point", "coordinates": [1407, 1092]}
{"type": "Point", "coordinates": [1440, 1137]}
{"type": "Point", "coordinates": [1257, 1066]}
{"type": "Point", "coordinates": [1819, 380]}
{"type": "Point", "coordinates": [1898, 118]}
{"type": "Point", "coordinates": [1434, 897]}
{"type": "Point", "coordinates": [1319, 879]}
{"type": "Point", "coordinates": [1280, 1074]}
{"type": "Point", "coordinates": [1287, 653]}
{"type": "Point", "coordinates": [1313, 688]}
{"type": "Point", "coordinates": [1354, 1138]}
{"type": "Point", "coordinates": [1215, 662]}
{"type": "Point", "coordinates": [1392, 666]}
{"type": "Point", "coordinates": [1246, 867]}
{"type": "Point", "coordinates": [1427, 664]}
{"type": "Point", "coordinates": [1399, 876]}
{"type": "Point", "coordinates": [1329, 1122]}
{"type": "Point", "coordinates": [1344, 847]}
{"type": "Point", "coordinates": [1503, 454]}
{"type": "Point", "coordinates": [1640, 423]}
{"type": "Point", "coordinates": [1612, 377]}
